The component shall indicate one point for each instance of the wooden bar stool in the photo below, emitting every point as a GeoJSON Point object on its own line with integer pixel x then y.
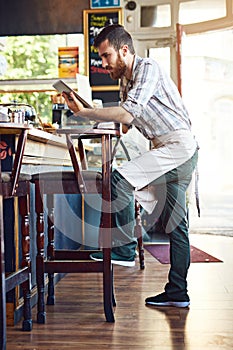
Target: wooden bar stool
{"type": "Point", "coordinates": [82, 182]}
{"type": "Point", "coordinates": [15, 185]}
{"type": "Point", "coordinates": [21, 276]}
{"type": "Point", "coordinates": [58, 260]}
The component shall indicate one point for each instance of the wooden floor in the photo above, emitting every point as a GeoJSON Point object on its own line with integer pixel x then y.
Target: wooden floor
{"type": "Point", "coordinates": [77, 321]}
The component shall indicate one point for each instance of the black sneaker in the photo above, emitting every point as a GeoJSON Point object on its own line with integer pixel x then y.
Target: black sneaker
{"type": "Point", "coordinates": [115, 259]}
{"type": "Point", "coordinates": [163, 300]}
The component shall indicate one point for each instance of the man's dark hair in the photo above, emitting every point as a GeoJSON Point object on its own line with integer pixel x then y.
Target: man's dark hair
{"type": "Point", "coordinates": [117, 36]}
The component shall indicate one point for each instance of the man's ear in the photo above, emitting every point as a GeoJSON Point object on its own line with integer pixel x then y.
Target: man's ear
{"type": "Point", "coordinates": [124, 49]}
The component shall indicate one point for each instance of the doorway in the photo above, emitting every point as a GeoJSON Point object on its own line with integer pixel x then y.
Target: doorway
{"type": "Point", "coordinates": [207, 77]}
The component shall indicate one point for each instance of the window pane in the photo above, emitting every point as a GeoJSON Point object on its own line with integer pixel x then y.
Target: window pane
{"type": "Point", "coordinates": [162, 56]}
{"type": "Point", "coordinates": [201, 10]}
{"type": "Point", "coordinates": [36, 56]}
{"type": "Point", "coordinates": [156, 16]}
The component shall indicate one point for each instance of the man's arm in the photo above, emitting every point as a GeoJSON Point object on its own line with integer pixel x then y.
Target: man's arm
{"type": "Point", "coordinates": [112, 114]}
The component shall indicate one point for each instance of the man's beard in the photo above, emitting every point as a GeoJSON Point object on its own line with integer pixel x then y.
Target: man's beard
{"type": "Point", "coordinates": [120, 69]}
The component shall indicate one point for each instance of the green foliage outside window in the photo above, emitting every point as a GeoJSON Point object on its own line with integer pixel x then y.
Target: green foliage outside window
{"type": "Point", "coordinates": [31, 57]}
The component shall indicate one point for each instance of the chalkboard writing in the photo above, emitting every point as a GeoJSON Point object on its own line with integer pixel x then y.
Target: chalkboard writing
{"type": "Point", "coordinates": [95, 21]}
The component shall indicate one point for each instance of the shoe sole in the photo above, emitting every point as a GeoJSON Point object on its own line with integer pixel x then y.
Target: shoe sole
{"type": "Point", "coordinates": [170, 303]}
{"type": "Point", "coordinates": [118, 262]}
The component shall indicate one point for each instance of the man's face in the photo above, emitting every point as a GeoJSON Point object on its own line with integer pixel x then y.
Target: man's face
{"type": "Point", "coordinates": [112, 60]}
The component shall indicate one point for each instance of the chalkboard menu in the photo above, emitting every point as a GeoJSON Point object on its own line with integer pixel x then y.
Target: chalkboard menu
{"type": "Point", "coordinates": [94, 21]}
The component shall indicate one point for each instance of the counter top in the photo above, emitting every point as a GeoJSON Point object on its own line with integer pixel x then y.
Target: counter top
{"type": "Point", "coordinates": [45, 149]}
{"type": "Point", "coordinates": [12, 128]}
{"type": "Point", "coordinates": [48, 150]}
{"type": "Point", "coordinates": [46, 137]}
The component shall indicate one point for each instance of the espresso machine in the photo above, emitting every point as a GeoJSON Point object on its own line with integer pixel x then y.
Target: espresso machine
{"type": "Point", "coordinates": [63, 116]}
{"type": "Point", "coordinates": [60, 114]}
{"type": "Point", "coordinates": [17, 112]}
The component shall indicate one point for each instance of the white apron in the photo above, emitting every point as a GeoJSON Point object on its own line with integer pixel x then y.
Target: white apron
{"type": "Point", "coordinates": [171, 150]}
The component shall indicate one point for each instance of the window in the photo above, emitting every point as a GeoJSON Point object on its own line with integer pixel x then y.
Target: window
{"type": "Point", "coordinates": [201, 10]}
{"type": "Point", "coordinates": [162, 56]}
{"type": "Point", "coordinates": [30, 62]}
{"type": "Point", "coordinates": [37, 56]}
{"type": "Point", "coordinates": [156, 16]}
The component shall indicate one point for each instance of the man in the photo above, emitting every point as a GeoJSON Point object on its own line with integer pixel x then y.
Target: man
{"type": "Point", "coordinates": [150, 101]}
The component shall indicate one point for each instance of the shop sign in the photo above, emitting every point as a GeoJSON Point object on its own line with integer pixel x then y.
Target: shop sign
{"type": "Point", "coordinates": [95, 4]}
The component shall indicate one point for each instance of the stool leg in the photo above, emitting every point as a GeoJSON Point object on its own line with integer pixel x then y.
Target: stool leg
{"type": "Point", "coordinates": [41, 315]}
{"type": "Point", "coordinates": [113, 294]}
{"type": "Point", "coordinates": [138, 234]}
{"type": "Point", "coordinates": [26, 262]}
{"type": "Point", "coordinates": [109, 299]}
{"type": "Point", "coordinates": [50, 248]}
{"type": "Point", "coordinates": [105, 240]}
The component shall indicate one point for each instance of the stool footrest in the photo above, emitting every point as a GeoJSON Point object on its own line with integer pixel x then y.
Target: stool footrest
{"type": "Point", "coordinates": [16, 278]}
{"type": "Point", "coordinates": [75, 266]}
{"type": "Point", "coordinates": [73, 254]}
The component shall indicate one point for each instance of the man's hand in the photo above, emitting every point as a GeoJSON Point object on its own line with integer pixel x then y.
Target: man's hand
{"type": "Point", "coordinates": [110, 114]}
{"type": "Point", "coordinates": [125, 128]}
{"type": "Point", "coordinates": [72, 102]}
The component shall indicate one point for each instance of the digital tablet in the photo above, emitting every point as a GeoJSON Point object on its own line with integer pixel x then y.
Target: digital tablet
{"type": "Point", "coordinates": [60, 86]}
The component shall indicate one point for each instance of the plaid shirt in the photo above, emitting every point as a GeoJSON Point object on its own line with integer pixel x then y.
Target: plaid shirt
{"type": "Point", "coordinates": [153, 100]}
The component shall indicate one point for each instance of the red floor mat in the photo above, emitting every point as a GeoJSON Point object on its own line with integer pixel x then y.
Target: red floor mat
{"type": "Point", "coordinates": [161, 253]}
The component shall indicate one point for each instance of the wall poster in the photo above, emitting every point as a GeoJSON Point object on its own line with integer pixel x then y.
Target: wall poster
{"type": "Point", "coordinates": [94, 21]}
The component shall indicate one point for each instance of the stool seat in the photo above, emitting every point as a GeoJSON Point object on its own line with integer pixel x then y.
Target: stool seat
{"type": "Point", "coordinates": [22, 188]}
{"type": "Point", "coordinates": [67, 175]}
{"type": "Point", "coordinates": [6, 177]}
{"type": "Point", "coordinates": [66, 182]}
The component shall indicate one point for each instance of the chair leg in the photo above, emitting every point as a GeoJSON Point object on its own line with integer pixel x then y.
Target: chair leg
{"type": "Point", "coordinates": [50, 247]}
{"type": "Point", "coordinates": [138, 234]}
{"type": "Point", "coordinates": [26, 262]}
{"type": "Point", "coordinates": [41, 314]}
